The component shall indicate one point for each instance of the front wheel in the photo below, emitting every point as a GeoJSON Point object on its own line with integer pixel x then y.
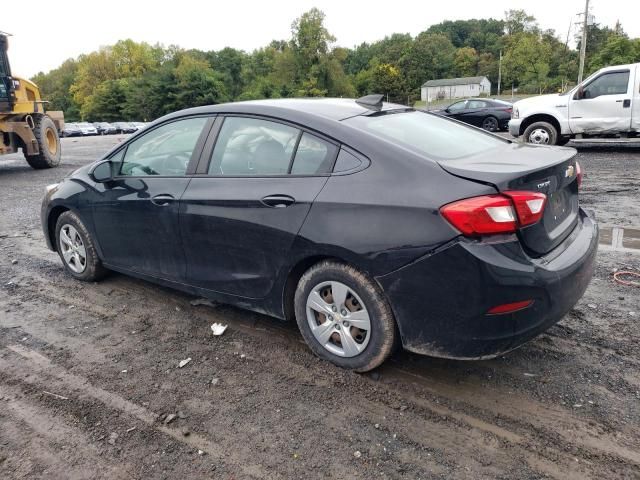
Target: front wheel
{"type": "Point", "coordinates": [76, 249]}
{"type": "Point", "coordinates": [541, 133]}
{"type": "Point", "coordinates": [344, 316]}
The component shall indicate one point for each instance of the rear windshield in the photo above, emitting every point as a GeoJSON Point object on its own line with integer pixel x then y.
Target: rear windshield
{"type": "Point", "coordinates": [428, 134]}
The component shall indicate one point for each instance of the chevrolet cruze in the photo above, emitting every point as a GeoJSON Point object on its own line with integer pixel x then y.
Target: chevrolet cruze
{"type": "Point", "coordinates": [372, 225]}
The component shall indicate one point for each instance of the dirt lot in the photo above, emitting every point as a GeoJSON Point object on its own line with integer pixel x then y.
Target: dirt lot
{"type": "Point", "coordinates": [89, 371]}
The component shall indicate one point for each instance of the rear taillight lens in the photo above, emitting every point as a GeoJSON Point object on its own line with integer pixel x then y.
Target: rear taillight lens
{"type": "Point", "coordinates": [492, 214]}
{"type": "Point", "coordinates": [579, 174]}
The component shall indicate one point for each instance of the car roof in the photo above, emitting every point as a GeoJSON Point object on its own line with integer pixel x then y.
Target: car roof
{"type": "Point", "coordinates": [327, 108]}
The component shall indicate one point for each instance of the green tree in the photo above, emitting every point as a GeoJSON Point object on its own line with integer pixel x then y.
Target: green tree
{"type": "Point", "coordinates": [310, 39]}
{"type": "Point", "coordinates": [526, 61]}
{"type": "Point", "coordinates": [519, 21]}
{"type": "Point", "coordinates": [387, 79]}
{"type": "Point", "coordinates": [466, 62]}
{"type": "Point", "coordinates": [618, 50]}
{"type": "Point", "coordinates": [429, 57]}
{"type": "Point", "coordinates": [55, 87]}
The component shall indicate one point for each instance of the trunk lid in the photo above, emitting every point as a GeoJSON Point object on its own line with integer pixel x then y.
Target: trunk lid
{"type": "Point", "coordinates": [516, 166]}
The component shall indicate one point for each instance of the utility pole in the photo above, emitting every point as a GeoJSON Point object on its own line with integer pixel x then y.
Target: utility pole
{"type": "Point", "coordinates": [583, 42]}
{"type": "Point", "coordinates": [499, 72]}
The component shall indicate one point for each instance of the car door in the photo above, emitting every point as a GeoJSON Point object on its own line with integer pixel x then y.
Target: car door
{"type": "Point", "coordinates": [241, 215]}
{"type": "Point", "coordinates": [456, 110]}
{"type": "Point", "coordinates": [475, 112]}
{"type": "Point", "coordinates": [136, 215]}
{"type": "Point", "coordinates": [604, 104]}
{"type": "Point", "coordinates": [635, 101]}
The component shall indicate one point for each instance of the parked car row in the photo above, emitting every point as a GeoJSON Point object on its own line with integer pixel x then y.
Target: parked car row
{"type": "Point", "coordinates": [79, 129]}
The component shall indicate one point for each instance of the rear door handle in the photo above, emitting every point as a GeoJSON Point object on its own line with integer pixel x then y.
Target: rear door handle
{"type": "Point", "coordinates": [162, 199]}
{"type": "Point", "coordinates": [278, 201]}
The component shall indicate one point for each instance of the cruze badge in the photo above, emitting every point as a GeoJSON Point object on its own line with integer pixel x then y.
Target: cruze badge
{"type": "Point", "coordinates": [569, 172]}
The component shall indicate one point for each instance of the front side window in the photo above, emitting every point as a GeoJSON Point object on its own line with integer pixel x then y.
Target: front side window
{"type": "Point", "coordinates": [165, 150]}
{"type": "Point", "coordinates": [250, 146]}
{"type": "Point", "coordinates": [614, 83]}
{"type": "Point", "coordinates": [457, 106]}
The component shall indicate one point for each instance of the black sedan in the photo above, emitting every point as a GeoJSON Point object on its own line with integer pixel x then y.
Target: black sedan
{"type": "Point", "coordinates": [370, 224]}
{"type": "Point", "coordinates": [492, 115]}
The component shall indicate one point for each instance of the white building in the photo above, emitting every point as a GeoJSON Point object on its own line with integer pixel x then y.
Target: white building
{"type": "Point", "coordinates": [455, 88]}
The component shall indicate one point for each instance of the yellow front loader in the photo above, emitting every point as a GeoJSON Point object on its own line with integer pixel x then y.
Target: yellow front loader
{"type": "Point", "coordinates": [23, 121]}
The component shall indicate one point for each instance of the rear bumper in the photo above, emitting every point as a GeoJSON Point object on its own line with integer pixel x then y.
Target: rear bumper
{"type": "Point", "coordinates": [440, 301]}
{"type": "Point", "coordinates": [514, 127]}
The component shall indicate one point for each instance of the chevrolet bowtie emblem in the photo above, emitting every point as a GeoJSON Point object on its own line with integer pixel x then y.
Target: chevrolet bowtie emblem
{"type": "Point", "coordinates": [569, 171]}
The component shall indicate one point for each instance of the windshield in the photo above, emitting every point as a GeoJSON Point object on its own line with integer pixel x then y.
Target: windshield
{"type": "Point", "coordinates": [428, 134]}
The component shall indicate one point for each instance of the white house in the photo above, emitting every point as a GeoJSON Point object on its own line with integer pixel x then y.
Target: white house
{"type": "Point", "coordinates": [455, 88]}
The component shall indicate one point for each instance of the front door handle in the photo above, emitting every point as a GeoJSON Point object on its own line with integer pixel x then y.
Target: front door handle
{"type": "Point", "coordinates": [278, 201]}
{"type": "Point", "coordinates": [162, 199]}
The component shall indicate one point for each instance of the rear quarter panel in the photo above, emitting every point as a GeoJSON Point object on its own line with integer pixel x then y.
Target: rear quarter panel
{"type": "Point", "coordinates": [387, 215]}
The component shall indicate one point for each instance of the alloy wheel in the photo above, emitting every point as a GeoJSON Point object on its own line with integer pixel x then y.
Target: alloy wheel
{"type": "Point", "coordinates": [490, 124]}
{"type": "Point", "coordinates": [338, 319]}
{"type": "Point", "coordinates": [73, 250]}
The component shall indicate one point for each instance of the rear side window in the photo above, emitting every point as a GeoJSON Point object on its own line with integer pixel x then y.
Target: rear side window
{"type": "Point", "coordinates": [250, 146]}
{"type": "Point", "coordinates": [313, 156]}
{"type": "Point", "coordinates": [427, 134]}
{"type": "Point", "coordinates": [477, 104]}
{"type": "Point", "coordinates": [346, 162]}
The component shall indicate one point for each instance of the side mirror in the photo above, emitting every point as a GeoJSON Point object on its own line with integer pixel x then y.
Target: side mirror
{"type": "Point", "coordinates": [103, 172]}
{"type": "Point", "coordinates": [447, 110]}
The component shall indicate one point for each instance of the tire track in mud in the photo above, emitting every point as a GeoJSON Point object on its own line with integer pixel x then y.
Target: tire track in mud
{"type": "Point", "coordinates": [39, 364]}
{"type": "Point", "coordinates": [552, 424]}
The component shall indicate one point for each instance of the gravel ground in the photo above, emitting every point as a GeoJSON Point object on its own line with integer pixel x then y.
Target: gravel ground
{"type": "Point", "coordinates": [90, 385]}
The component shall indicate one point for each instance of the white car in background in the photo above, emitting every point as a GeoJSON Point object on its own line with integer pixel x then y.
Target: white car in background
{"type": "Point", "coordinates": [87, 129]}
{"type": "Point", "coordinates": [605, 105]}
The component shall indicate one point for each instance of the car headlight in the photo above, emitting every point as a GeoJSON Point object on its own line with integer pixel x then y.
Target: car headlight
{"type": "Point", "coordinates": [51, 188]}
{"type": "Point", "coordinates": [515, 113]}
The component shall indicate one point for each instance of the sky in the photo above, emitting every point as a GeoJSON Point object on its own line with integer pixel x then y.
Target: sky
{"type": "Point", "coordinates": [63, 29]}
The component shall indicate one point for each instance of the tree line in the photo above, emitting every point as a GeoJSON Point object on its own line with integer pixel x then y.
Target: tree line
{"type": "Point", "coordinates": [139, 81]}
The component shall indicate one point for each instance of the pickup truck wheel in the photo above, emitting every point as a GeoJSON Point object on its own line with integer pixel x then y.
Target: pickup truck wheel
{"type": "Point", "coordinates": [541, 133]}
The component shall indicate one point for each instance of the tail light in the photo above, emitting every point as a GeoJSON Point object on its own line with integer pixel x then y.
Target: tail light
{"type": "Point", "coordinates": [492, 214]}
{"type": "Point", "coordinates": [508, 110]}
{"type": "Point", "coordinates": [579, 174]}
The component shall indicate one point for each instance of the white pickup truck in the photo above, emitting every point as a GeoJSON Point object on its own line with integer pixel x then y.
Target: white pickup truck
{"type": "Point", "coordinates": [605, 105]}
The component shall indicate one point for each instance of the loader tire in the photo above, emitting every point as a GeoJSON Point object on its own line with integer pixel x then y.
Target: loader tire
{"type": "Point", "coordinates": [48, 143]}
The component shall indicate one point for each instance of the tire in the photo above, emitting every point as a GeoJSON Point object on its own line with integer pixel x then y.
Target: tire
{"type": "Point", "coordinates": [490, 124]}
{"type": "Point", "coordinates": [69, 224]}
{"type": "Point", "coordinates": [563, 140]}
{"type": "Point", "coordinates": [366, 349]}
{"type": "Point", "coordinates": [48, 140]}
{"type": "Point", "coordinates": [541, 133]}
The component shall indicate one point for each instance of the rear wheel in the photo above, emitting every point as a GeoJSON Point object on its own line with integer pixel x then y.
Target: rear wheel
{"type": "Point", "coordinates": [541, 133]}
{"type": "Point", "coordinates": [48, 143]}
{"type": "Point", "coordinates": [490, 124]}
{"type": "Point", "coordinates": [344, 316]}
{"type": "Point", "coordinates": [76, 248]}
